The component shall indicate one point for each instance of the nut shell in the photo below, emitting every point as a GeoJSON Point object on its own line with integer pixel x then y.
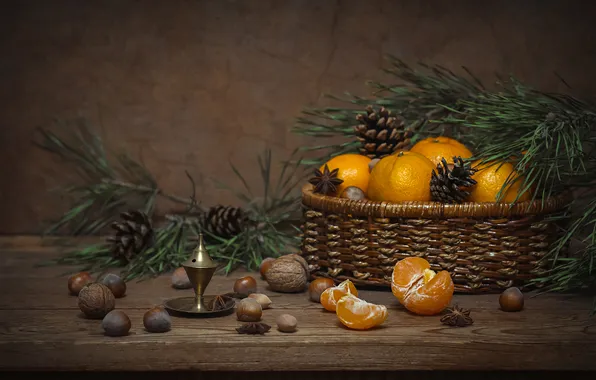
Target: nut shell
{"type": "Point", "coordinates": [96, 300]}
{"type": "Point", "coordinates": [245, 285]}
{"type": "Point", "coordinates": [298, 258]}
{"type": "Point", "coordinates": [372, 163]}
{"type": "Point", "coordinates": [157, 320]}
{"type": "Point", "coordinates": [116, 323]}
{"type": "Point", "coordinates": [286, 323]}
{"type": "Point", "coordinates": [77, 281]}
{"type": "Point", "coordinates": [249, 310]}
{"type": "Point", "coordinates": [262, 299]}
{"type": "Point", "coordinates": [317, 287]}
{"type": "Point", "coordinates": [116, 284]}
{"type": "Point", "coordinates": [287, 276]}
{"type": "Point", "coordinates": [265, 265]}
{"type": "Point", "coordinates": [512, 299]}
{"type": "Point", "coordinates": [353, 193]}
{"type": "Point", "coordinates": [180, 279]}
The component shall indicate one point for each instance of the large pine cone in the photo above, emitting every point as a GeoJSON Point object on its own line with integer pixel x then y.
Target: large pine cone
{"type": "Point", "coordinates": [133, 235]}
{"type": "Point", "coordinates": [224, 221]}
{"type": "Point", "coordinates": [381, 133]}
{"type": "Point", "coordinates": [449, 183]}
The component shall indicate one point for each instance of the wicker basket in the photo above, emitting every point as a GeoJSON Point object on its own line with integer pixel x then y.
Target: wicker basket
{"type": "Point", "coordinates": [486, 247]}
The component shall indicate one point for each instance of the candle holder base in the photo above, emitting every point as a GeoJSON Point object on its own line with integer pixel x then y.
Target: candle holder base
{"type": "Point", "coordinates": [187, 306]}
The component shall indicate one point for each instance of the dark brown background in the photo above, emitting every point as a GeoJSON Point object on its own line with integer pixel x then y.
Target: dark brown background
{"type": "Point", "coordinates": [187, 84]}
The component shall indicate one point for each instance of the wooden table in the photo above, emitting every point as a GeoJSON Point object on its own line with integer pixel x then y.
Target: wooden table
{"type": "Point", "coordinates": [41, 328]}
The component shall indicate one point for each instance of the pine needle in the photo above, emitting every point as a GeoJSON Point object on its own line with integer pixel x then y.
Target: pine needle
{"type": "Point", "coordinates": [104, 187]}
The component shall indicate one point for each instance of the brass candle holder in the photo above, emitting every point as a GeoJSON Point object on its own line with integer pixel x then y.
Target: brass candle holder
{"type": "Point", "coordinates": [200, 269]}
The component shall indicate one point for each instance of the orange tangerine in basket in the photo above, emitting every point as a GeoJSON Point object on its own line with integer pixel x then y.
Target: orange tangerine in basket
{"type": "Point", "coordinates": [358, 314]}
{"type": "Point", "coordinates": [353, 170]}
{"type": "Point", "coordinates": [420, 289]}
{"type": "Point", "coordinates": [437, 148]}
{"type": "Point", "coordinates": [330, 296]}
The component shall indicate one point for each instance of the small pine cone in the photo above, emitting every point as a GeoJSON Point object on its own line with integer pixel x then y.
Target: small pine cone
{"type": "Point", "coordinates": [224, 221]}
{"type": "Point", "coordinates": [449, 183]}
{"type": "Point", "coordinates": [381, 133]}
{"type": "Point", "coordinates": [134, 234]}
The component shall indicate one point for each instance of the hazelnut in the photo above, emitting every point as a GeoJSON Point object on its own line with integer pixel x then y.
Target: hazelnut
{"type": "Point", "coordinates": [318, 286]}
{"type": "Point", "coordinates": [286, 323]}
{"type": "Point", "coordinates": [265, 265]}
{"type": "Point", "coordinates": [77, 281]}
{"type": "Point", "coordinates": [157, 320]}
{"type": "Point", "coordinates": [116, 323]}
{"type": "Point", "coordinates": [354, 193]}
{"type": "Point", "coordinates": [512, 299]}
{"type": "Point", "coordinates": [372, 163]}
{"type": "Point", "coordinates": [287, 276]}
{"type": "Point", "coordinates": [245, 286]}
{"type": "Point", "coordinates": [96, 300]}
{"type": "Point", "coordinates": [249, 310]}
{"type": "Point", "coordinates": [116, 284]}
{"type": "Point", "coordinates": [180, 279]}
{"type": "Point", "coordinates": [262, 299]}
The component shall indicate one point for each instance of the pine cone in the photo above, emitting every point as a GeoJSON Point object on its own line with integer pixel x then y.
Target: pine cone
{"type": "Point", "coordinates": [449, 183]}
{"type": "Point", "coordinates": [224, 221]}
{"type": "Point", "coordinates": [133, 235]}
{"type": "Point", "coordinates": [381, 133]}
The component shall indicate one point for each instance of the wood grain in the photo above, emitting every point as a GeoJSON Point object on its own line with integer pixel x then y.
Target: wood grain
{"type": "Point", "coordinates": [42, 328]}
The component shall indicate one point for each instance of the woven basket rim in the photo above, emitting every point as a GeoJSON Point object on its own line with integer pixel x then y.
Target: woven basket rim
{"type": "Point", "coordinates": [430, 209]}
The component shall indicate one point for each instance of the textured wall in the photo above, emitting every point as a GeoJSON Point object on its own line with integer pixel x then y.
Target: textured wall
{"type": "Point", "coordinates": [183, 85]}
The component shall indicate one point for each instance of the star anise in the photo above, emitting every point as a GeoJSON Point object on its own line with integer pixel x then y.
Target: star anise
{"type": "Point", "coordinates": [326, 182]}
{"type": "Point", "coordinates": [253, 328]}
{"type": "Point", "coordinates": [220, 302]}
{"type": "Point", "coordinates": [457, 316]}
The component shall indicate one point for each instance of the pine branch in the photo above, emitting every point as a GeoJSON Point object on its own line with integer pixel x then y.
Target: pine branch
{"type": "Point", "coordinates": [265, 236]}
{"type": "Point", "coordinates": [270, 215]}
{"type": "Point", "coordinates": [104, 187]}
{"type": "Point", "coordinates": [425, 98]}
{"type": "Point", "coordinates": [549, 138]}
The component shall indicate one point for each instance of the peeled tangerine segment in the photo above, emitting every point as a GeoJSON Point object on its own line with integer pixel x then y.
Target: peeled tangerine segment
{"type": "Point", "coordinates": [330, 296]}
{"type": "Point", "coordinates": [419, 289]}
{"type": "Point", "coordinates": [358, 314]}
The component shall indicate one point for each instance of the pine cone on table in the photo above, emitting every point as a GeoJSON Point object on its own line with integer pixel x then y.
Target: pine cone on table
{"type": "Point", "coordinates": [224, 221]}
{"type": "Point", "coordinates": [134, 234]}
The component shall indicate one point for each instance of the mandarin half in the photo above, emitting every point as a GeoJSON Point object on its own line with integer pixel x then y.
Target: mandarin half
{"type": "Point", "coordinates": [358, 314]}
{"type": "Point", "coordinates": [330, 296]}
{"type": "Point", "coordinates": [419, 289]}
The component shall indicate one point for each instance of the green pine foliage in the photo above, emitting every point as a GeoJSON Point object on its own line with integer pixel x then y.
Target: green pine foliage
{"type": "Point", "coordinates": [106, 186]}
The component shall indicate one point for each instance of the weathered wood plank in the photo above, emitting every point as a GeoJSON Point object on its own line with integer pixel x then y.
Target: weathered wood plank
{"type": "Point", "coordinates": [62, 340]}
{"type": "Point", "coordinates": [42, 328]}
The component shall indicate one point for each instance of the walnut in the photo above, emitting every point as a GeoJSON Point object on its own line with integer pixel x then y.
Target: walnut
{"type": "Point", "coordinates": [288, 274]}
{"type": "Point", "coordinates": [96, 300]}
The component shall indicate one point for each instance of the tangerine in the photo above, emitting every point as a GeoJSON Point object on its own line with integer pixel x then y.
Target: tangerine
{"type": "Point", "coordinates": [419, 289]}
{"type": "Point", "coordinates": [357, 314]}
{"type": "Point", "coordinates": [330, 296]}
{"type": "Point", "coordinates": [436, 148]}
{"type": "Point", "coordinates": [490, 179]}
{"type": "Point", "coordinates": [353, 170]}
{"type": "Point", "coordinates": [404, 176]}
